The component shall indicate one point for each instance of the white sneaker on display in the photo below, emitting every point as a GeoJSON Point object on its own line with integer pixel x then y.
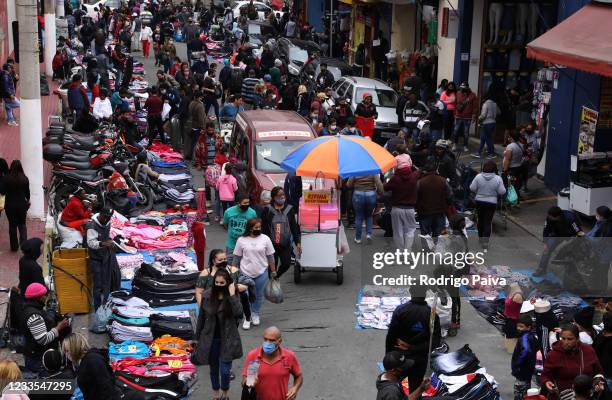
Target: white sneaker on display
{"type": "Point", "coordinates": [246, 324]}
{"type": "Point", "coordinates": [255, 319]}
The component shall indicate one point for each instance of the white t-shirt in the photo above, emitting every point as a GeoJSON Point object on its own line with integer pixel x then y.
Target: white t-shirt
{"type": "Point", "coordinates": [146, 33]}
{"type": "Point", "coordinates": [254, 252]}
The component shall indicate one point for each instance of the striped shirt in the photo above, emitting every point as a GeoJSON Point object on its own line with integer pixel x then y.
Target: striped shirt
{"type": "Point", "coordinates": [38, 329]}
{"type": "Point", "coordinates": [248, 89]}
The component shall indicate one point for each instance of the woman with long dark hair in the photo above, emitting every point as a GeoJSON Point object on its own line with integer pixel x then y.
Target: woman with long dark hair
{"type": "Point", "coordinates": [15, 186]}
{"type": "Point", "coordinates": [254, 253]}
{"type": "Point", "coordinates": [4, 169]}
{"type": "Point", "coordinates": [217, 332]}
{"type": "Point", "coordinates": [217, 260]}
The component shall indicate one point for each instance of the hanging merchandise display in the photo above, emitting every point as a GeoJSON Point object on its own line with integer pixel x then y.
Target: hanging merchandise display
{"type": "Point", "coordinates": [506, 73]}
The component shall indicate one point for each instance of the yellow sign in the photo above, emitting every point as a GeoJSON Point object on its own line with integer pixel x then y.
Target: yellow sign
{"type": "Point", "coordinates": [175, 363]}
{"type": "Point", "coordinates": [588, 127]}
{"type": "Point", "coordinates": [317, 197]}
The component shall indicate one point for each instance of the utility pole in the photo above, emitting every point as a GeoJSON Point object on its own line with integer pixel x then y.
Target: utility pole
{"type": "Point", "coordinates": [30, 128]}
{"type": "Point", "coordinates": [50, 40]}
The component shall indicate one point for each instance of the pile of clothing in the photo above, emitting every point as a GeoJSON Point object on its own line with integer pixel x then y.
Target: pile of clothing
{"type": "Point", "coordinates": [133, 319]}
{"type": "Point", "coordinates": [175, 180]}
{"type": "Point", "coordinates": [166, 282]}
{"type": "Point", "coordinates": [488, 300]}
{"type": "Point", "coordinates": [163, 368]}
{"type": "Point", "coordinates": [147, 235]}
{"type": "Point", "coordinates": [458, 375]}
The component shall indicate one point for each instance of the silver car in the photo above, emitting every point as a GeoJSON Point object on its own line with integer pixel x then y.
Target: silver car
{"type": "Point", "coordinates": [384, 98]}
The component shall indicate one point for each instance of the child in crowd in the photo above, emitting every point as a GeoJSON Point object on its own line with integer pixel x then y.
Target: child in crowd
{"type": "Point", "coordinates": [227, 185]}
{"type": "Point", "coordinates": [524, 356]}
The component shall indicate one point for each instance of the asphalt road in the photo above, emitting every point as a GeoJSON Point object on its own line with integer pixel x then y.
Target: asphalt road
{"type": "Point", "coordinates": [318, 317]}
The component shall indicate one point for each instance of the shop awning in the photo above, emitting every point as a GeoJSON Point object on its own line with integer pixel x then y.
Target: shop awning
{"type": "Point", "coordinates": [581, 41]}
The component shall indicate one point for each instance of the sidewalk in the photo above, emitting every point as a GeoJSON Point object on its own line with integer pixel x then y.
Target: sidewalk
{"type": "Point", "coordinates": [10, 149]}
{"type": "Point", "coordinates": [534, 203]}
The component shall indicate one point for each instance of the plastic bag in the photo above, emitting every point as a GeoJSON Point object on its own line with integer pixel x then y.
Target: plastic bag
{"type": "Point", "coordinates": [103, 314]}
{"type": "Point", "coordinates": [166, 111]}
{"type": "Point", "coordinates": [343, 244]}
{"type": "Point", "coordinates": [444, 306]}
{"type": "Point", "coordinates": [511, 195]}
{"type": "Point", "coordinates": [273, 291]}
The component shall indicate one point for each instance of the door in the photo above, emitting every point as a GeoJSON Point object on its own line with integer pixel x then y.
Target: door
{"type": "Point", "coordinates": [368, 51]}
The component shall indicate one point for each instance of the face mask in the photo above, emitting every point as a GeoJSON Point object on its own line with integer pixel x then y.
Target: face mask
{"type": "Point", "coordinates": [243, 207]}
{"type": "Point", "coordinates": [333, 127]}
{"type": "Point", "coordinates": [222, 264]}
{"type": "Point", "coordinates": [256, 232]}
{"type": "Point", "coordinates": [269, 347]}
{"type": "Point", "coordinates": [280, 201]}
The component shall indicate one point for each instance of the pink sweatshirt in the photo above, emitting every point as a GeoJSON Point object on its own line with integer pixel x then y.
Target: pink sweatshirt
{"type": "Point", "coordinates": [227, 186]}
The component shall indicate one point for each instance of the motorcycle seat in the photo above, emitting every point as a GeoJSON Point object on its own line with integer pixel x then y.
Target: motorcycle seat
{"type": "Point", "coordinates": [80, 165]}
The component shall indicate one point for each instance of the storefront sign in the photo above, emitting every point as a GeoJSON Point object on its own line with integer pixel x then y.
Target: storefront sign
{"type": "Point", "coordinates": [317, 197]}
{"type": "Point", "coordinates": [588, 126]}
{"type": "Point", "coordinates": [450, 23]}
{"type": "Point", "coordinates": [283, 133]}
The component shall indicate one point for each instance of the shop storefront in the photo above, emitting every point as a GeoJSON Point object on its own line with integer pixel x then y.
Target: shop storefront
{"type": "Point", "coordinates": [579, 138]}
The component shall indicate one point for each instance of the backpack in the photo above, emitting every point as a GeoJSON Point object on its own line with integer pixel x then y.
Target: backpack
{"type": "Point", "coordinates": [4, 93]}
{"type": "Point", "coordinates": [280, 231]}
{"type": "Point", "coordinates": [212, 174]}
{"type": "Point", "coordinates": [236, 80]}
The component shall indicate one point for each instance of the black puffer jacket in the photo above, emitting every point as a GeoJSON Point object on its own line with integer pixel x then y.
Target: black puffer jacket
{"type": "Point", "coordinates": [388, 390]}
{"type": "Point", "coordinates": [95, 377]}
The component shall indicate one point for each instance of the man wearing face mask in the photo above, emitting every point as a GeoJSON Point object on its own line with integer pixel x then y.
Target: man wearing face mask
{"type": "Point", "coordinates": [350, 128]}
{"type": "Point", "coordinates": [389, 383]}
{"type": "Point", "coordinates": [559, 224]}
{"type": "Point", "coordinates": [279, 222]}
{"type": "Point", "coordinates": [273, 365]}
{"type": "Point", "coordinates": [234, 220]}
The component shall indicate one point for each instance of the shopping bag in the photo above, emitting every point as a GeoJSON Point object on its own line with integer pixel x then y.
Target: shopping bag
{"type": "Point", "coordinates": [343, 243]}
{"type": "Point", "coordinates": [103, 314]}
{"type": "Point", "coordinates": [166, 111]}
{"type": "Point", "coordinates": [273, 291]}
{"type": "Point", "coordinates": [511, 195]}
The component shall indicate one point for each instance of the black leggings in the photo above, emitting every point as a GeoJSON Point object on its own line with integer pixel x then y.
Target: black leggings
{"type": "Point", "coordinates": [246, 306]}
{"type": "Point", "coordinates": [282, 253]}
{"type": "Point", "coordinates": [485, 212]}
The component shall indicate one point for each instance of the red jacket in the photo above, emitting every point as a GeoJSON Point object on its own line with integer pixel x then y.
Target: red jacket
{"type": "Point", "coordinates": [75, 210]}
{"type": "Point", "coordinates": [563, 367]}
{"type": "Point", "coordinates": [470, 109]}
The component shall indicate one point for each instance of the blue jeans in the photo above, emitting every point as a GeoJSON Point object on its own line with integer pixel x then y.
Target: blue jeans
{"type": "Point", "coordinates": [213, 103]}
{"type": "Point", "coordinates": [260, 283]}
{"type": "Point", "coordinates": [9, 105]}
{"type": "Point", "coordinates": [218, 367]}
{"type": "Point", "coordinates": [486, 137]}
{"type": "Point", "coordinates": [431, 224]}
{"type": "Point", "coordinates": [364, 204]}
{"type": "Point", "coordinates": [462, 126]}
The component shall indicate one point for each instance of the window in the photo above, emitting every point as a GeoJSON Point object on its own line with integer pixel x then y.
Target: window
{"type": "Point", "coordinates": [337, 84]}
{"type": "Point", "coordinates": [262, 8]}
{"type": "Point", "coordinates": [237, 138]}
{"type": "Point", "coordinates": [349, 92]}
{"type": "Point", "coordinates": [270, 153]}
{"type": "Point", "coordinates": [342, 89]}
{"type": "Point", "coordinates": [380, 97]}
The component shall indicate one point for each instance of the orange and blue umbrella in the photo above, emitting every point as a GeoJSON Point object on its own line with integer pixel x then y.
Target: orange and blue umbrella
{"type": "Point", "coordinates": [338, 156]}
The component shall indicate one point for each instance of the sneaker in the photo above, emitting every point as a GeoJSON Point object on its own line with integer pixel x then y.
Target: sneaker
{"type": "Point", "coordinates": [246, 324]}
{"type": "Point", "coordinates": [492, 156]}
{"type": "Point", "coordinates": [369, 238]}
{"type": "Point", "coordinates": [454, 148]}
{"type": "Point", "coordinates": [476, 155]}
{"type": "Point", "coordinates": [465, 149]}
{"type": "Point", "coordinates": [428, 240]}
{"type": "Point", "coordinates": [358, 241]}
{"type": "Point", "coordinates": [255, 319]}
{"type": "Point", "coordinates": [13, 123]}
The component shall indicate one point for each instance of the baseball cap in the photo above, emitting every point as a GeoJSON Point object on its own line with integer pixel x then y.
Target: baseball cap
{"type": "Point", "coordinates": [396, 359]}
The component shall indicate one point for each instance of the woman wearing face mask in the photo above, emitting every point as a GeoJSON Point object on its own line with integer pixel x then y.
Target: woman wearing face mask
{"type": "Point", "coordinates": [254, 253]}
{"type": "Point", "coordinates": [279, 223]}
{"type": "Point", "coordinates": [218, 338]}
{"type": "Point", "coordinates": [216, 262]}
{"type": "Point", "coordinates": [94, 375]}
{"type": "Point", "coordinates": [568, 359]}
{"type": "Point", "coordinates": [367, 110]}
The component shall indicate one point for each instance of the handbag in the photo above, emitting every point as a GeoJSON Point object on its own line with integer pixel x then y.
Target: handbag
{"type": "Point", "coordinates": [248, 393]}
{"type": "Point", "coordinates": [2, 202]}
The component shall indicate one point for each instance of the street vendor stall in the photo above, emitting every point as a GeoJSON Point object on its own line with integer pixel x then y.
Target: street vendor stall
{"type": "Point", "coordinates": [330, 157]}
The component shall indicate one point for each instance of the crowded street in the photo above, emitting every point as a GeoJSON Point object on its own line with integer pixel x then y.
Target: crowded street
{"type": "Point", "coordinates": [284, 200]}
